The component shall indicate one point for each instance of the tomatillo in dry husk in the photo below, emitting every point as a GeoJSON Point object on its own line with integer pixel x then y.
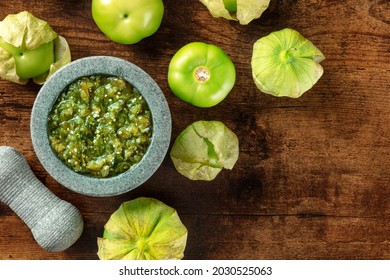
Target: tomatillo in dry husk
{"type": "Point", "coordinates": [143, 229]}
{"type": "Point", "coordinates": [284, 63]}
{"type": "Point", "coordinates": [30, 49]}
{"type": "Point", "coordinates": [203, 149]}
{"type": "Point", "coordinates": [242, 10]}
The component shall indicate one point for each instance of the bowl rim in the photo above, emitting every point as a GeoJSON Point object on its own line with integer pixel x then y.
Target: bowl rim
{"type": "Point", "coordinates": [137, 174]}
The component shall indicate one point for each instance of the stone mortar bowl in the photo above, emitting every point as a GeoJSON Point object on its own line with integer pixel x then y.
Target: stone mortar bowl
{"type": "Point", "coordinates": [137, 174]}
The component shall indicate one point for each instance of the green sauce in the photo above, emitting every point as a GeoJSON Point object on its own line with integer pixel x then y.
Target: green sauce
{"type": "Point", "coordinates": [100, 126]}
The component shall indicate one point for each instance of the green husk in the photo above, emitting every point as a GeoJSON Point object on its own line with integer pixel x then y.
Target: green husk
{"type": "Point", "coordinates": [284, 63]}
{"type": "Point", "coordinates": [143, 229]}
{"type": "Point", "coordinates": [203, 149]}
{"type": "Point", "coordinates": [247, 10]}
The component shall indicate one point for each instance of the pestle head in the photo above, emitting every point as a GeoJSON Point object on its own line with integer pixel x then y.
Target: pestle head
{"type": "Point", "coordinates": [54, 223]}
{"type": "Point", "coordinates": [60, 228]}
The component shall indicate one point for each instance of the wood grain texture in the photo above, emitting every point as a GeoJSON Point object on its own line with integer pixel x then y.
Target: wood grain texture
{"type": "Point", "coordinates": [313, 177]}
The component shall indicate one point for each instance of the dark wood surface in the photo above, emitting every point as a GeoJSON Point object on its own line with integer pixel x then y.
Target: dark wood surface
{"type": "Point", "coordinates": [313, 177]}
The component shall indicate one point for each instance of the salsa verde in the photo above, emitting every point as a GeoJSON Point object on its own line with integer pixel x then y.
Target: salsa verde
{"type": "Point", "coordinates": [100, 126]}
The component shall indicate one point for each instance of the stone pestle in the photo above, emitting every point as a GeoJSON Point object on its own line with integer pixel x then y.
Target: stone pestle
{"type": "Point", "coordinates": [54, 223]}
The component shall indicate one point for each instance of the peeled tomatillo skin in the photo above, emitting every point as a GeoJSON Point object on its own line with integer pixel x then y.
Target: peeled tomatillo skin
{"type": "Point", "coordinates": [201, 74]}
{"type": "Point", "coordinates": [128, 21]}
{"type": "Point", "coordinates": [284, 63]}
{"type": "Point", "coordinates": [31, 63]}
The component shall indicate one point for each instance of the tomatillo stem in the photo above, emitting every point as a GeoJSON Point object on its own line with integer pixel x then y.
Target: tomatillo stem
{"type": "Point", "coordinates": [202, 74]}
{"type": "Point", "coordinates": [287, 55]}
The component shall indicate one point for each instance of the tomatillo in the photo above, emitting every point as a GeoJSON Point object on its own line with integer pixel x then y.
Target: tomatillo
{"type": "Point", "coordinates": [31, 63]}
{"type": "Point", "coordinates": [128, 22]}
{"type": "Point", "coordinates": [230, 5]}
{"type": "Point", "coordinates": [201, 74]}
{"type": "Point", "coordinates": [30, 49]}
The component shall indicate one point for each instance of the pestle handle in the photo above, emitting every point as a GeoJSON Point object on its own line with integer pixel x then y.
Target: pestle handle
{"type": "Point", "coordinates": [54, 223]}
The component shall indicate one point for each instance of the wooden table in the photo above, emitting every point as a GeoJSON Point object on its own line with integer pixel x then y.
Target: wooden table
{"type": "Point", "coordinates": [313, 176]}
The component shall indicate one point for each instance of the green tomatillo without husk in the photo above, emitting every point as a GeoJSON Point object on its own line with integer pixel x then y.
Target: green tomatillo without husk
{"type": "Point", "coordinates": [203, 149]}
{"type": "Point", "coordinates": [143, 229]}
{"type": "Point", "coordinates": [30, 49]}
{"type": "Point", "coordinates": [284, 63]}
{"type": "Point", "coordinates": [201, 74]}
{"type": "Point", "coordinates": [242, 10]}
{"type": "Point", "coordinates": [128, 21]}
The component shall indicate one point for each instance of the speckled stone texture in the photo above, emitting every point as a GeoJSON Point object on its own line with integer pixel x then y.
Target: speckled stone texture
{"type": "Point", "coordinates": [54, 223]}
{"type": "Point", "coordinates": [137, 174]}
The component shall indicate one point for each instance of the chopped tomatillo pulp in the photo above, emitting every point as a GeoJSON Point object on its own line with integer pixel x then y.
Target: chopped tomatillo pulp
{"type": "Point", "coordinates": [100, 126]}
